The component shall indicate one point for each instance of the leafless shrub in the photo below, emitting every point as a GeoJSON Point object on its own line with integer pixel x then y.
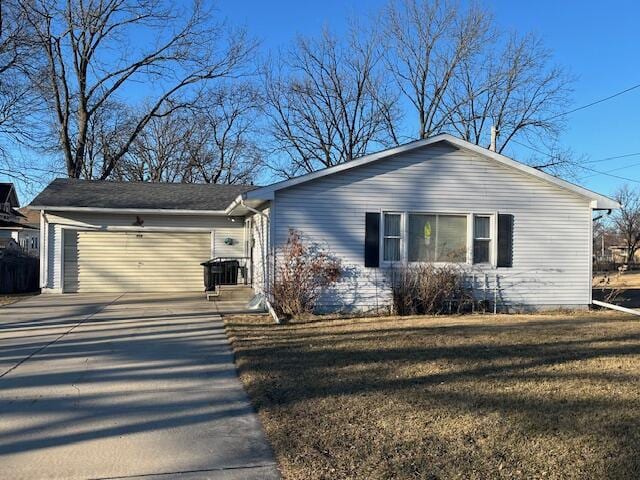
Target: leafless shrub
{"type": "Point", "coordinates": [304, 270]}
{"type": "Point", "coordinates": [428, 289]}
{"type": "Point", "coordinates": [608, 285]}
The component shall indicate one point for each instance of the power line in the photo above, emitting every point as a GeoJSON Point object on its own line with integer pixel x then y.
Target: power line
{"type": "Point", "coordinates": [578, 164]}
{"type": "Point", "coordinates": [612, 170]}
{"type": "Point", "coordinates": [609, 174]}
{"type": "Point", "coordinates": [613, 158]}
{"type": "Point", "coordinates": [534, 149]}
{"type": "Point", "coordinates": [596, 102]}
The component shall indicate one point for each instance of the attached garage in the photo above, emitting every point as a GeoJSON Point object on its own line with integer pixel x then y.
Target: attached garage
{"type": "Point", "coordinates": [134, 261]}
{"type": "Point", "coordinates": [104, 236]}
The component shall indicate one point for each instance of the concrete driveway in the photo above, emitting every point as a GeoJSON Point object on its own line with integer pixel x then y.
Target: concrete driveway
{"type": "Point", "coordinates": [123, 386]}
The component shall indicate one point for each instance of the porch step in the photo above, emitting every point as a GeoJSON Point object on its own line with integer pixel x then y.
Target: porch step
{"type": "Point", "coordinates": [232, 293]}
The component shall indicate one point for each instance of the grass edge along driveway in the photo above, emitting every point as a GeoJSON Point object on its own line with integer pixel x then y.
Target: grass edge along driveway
{"type": "Point", "coordinates": [507, 396]}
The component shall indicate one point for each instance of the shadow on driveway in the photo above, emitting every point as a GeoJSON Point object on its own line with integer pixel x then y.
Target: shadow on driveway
{"type": "Point", "coordinates": [108, 386]}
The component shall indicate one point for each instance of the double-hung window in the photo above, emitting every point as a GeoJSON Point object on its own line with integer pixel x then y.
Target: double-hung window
{"type": "Point", "coordinates": [436, 237]}
{"type": "Point", "coordinates": [392, 237]}
{"type": "Point", "coordinates": [481, 239]}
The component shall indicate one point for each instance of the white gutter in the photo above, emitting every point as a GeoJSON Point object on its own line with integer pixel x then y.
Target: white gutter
{"type": "Point", "coordinates": [160, 211]}
{"type": "Point", "coordinates": [237, 201]}
{"type": "Point", "coordinates": [616, 307]}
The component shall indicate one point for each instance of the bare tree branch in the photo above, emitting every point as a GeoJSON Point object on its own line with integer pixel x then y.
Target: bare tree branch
{"type": "Point", "coordinates": [95, 59]}
{"type": "Point", "coordinates": [626, 220]}
{"type": "Point", "coordinates": [327, 102]}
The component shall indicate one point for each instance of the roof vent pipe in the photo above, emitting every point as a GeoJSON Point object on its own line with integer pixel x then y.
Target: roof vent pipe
{"type": "Point", "coordinates": [494, 135]}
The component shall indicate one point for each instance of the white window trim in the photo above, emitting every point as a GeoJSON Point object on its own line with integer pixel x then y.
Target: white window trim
{"type": "Point", "coordinates": [490, 238]}
{"type": "Point", "coordinates": [404, 244]}
{"type": "Point", "coordinates": [402, 237]}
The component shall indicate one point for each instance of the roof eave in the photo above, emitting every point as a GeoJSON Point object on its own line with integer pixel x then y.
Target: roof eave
{"type": "Point", "coordinates": [243, 205]}
{"type": "Point", "coordinates": [158, 211]}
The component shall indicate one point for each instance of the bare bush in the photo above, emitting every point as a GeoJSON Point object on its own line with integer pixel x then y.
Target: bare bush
{"type": "Point", "coordinates": [304, 271]}
{"type": "Point", "coordinates": [608, 285]}
{"type": "Point", "coordinates": [429, 289]}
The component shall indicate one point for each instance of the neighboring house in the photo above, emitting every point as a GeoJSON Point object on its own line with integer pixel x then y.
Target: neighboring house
{"type": "Point", "coordinates": [442, 200]}
{"type": "Point", "coordinates": [619, 254]}
{"type": "Point", "coordinates": [29, 236]}
{"type": "Point", "coordinates": [20, 226]}
{"type": "Point", "coordinates": [9, 244]}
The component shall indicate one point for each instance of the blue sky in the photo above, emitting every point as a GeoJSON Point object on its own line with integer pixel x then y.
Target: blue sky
{"type": "Point", "coordinates": [597, 44]}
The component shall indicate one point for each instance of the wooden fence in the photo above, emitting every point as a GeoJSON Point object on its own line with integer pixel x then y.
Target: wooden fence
{"type": "Point", "coordinates": [19, 273]}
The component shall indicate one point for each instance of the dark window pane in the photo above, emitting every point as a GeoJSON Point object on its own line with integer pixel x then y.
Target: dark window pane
{"type": "Point", "coordinates": [391, 225]}
{"type": "Point", "coordinates": [481, 227]}
{"type": "Point", "coordinates": [481, 251]}
{"type": "Point", "coordinates": [391, 249]}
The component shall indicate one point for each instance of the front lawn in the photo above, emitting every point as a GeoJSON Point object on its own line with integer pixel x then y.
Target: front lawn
{"type": "Point", "coordinates": [532, 396]}
{"type": "Point", "coordinates": [618, 280]}
{"type": "Point", "coordinates": [6, 299]}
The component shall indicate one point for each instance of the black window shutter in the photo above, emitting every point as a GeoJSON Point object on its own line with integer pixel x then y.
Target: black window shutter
{"type": "Point", "coordinates": [505, 240]}
{"type": "Point", "coordinates": [372, 240]}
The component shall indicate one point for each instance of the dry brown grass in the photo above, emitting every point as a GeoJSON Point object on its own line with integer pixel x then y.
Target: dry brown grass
{"type": "Point", "coordinates": [532, 396]}
{"type": "Point", "coordinates": [619, 280]}
{"type": "Point", "coordinates": [7, 299]}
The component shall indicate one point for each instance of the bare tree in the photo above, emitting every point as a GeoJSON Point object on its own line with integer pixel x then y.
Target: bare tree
{"type": "Point", "coordinates": [426, 42]}
{"type": "Point", "coordinates": [517, 92]}
{"type": "Point", "coordinates": [160, 152]}
{"type": "Point", "coordinates": [444, 61]}
{"type": "Point", "coordinates": [226, 149]}
{"type": "Point", "coordinates": [327, 102]}
{"type": "Point", "coordinates": [17, 102]}
{"type": "Point", "coordinates": [98, 52]}
{"type": "Point", "coordinates": [214, 141]}
{"type": "Point", "coordinates": [626, 220]}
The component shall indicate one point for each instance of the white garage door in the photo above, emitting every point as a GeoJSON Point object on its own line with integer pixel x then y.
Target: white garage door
{"type": "Point", "coordinates": [134, 261]}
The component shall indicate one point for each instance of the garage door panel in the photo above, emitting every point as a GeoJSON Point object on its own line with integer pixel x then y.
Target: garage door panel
{"type": "Point", "coordinates": [134, 261]}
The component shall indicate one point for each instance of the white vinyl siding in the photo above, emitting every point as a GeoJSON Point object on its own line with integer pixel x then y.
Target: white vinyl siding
{"type": "Point", "coordinates": [552, 226]}
{"type": "Point", "coordinates": [134, 261]}
{"type": "Point", "coordinates": [216, 227]}
{"type": "Point", "coordinates": [260, 250]}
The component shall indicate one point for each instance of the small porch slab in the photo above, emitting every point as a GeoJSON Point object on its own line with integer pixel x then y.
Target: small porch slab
{"type": "Point", "coordinates": [234, 299]}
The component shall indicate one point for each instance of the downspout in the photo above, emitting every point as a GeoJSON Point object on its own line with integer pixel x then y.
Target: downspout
{"type": "Point", "coordinates": [267, 279]}
{"type": "Point", "coordinates": [44, 240]}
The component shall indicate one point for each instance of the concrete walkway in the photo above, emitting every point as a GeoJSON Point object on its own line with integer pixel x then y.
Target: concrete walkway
{"type": "Point", "coordinates": [131, 386]}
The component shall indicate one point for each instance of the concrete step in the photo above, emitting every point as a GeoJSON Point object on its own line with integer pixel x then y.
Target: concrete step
{"type": "Point", "coordinates": [235, 293]}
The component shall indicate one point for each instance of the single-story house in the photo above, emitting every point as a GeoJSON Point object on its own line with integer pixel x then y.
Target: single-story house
{"type": "Point", "coordinates": [524, 236]}
{"type": "Point", "coordinates": [15, 227]}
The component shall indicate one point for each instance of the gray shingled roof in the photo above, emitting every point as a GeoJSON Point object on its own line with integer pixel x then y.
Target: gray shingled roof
{"type": "Point", "coordinates": [66, 192]}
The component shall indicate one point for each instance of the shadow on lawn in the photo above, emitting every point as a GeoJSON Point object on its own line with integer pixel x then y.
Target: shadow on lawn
{"type": "Point", "coordinates": [564, 376]}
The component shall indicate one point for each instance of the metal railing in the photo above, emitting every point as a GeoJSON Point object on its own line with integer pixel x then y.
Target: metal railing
{"type": "Point", "coordinates": [226, 271]}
